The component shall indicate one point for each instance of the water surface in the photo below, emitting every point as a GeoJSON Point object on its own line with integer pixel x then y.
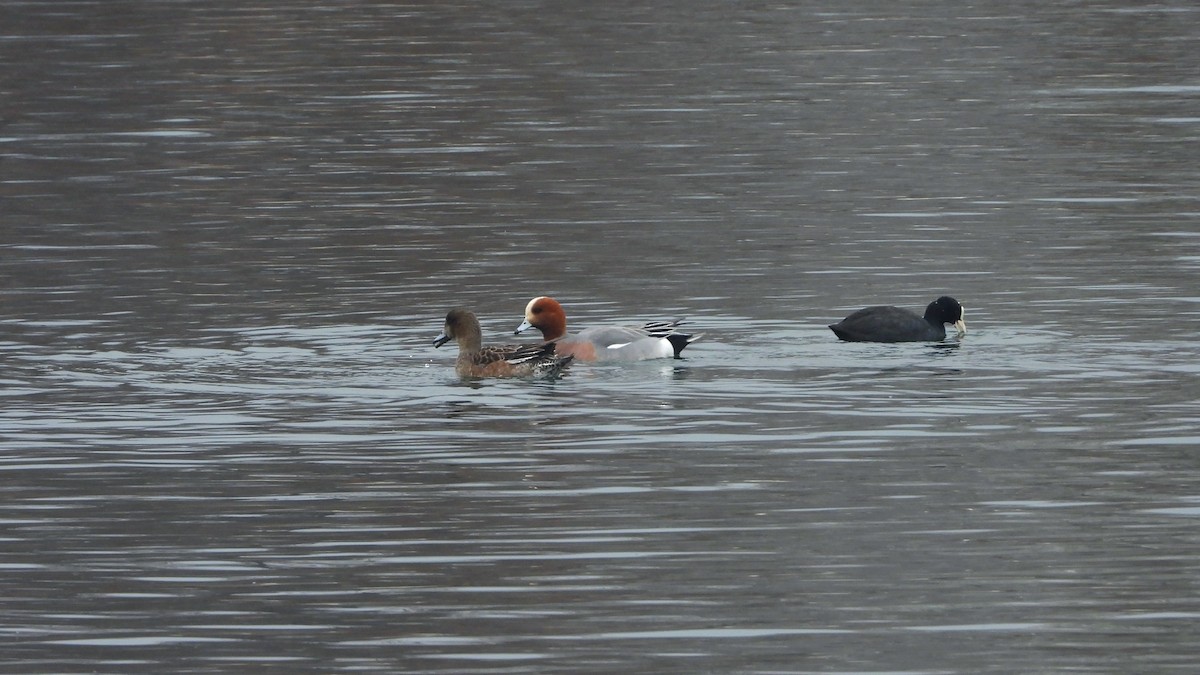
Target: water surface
{"type": "Point", "coordinates": [229, 233]}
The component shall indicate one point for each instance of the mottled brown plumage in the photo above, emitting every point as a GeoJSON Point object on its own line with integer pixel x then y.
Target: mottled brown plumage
{"type": "Point", "coordinates": [475, 360]}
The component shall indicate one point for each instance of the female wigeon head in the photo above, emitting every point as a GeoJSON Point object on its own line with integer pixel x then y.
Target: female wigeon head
{"type": "Point", "coordinates": [546, 315]}
{"type": "Point", "coordinates": [461, 325]}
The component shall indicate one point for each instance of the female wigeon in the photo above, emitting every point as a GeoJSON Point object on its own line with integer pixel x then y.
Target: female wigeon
{"type": "Point", "coordinates": [653, 340]}
{"type": "Point", "coordinates": [892, 324]}
{"type": "Point", "coordinates": [475, 360]}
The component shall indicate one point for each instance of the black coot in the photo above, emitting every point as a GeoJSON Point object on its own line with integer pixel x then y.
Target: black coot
{"type": "Point", "coordinates": [892, 324]}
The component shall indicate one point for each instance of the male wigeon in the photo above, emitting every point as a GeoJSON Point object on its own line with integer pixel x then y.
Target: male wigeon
{"type": "Point", "coordinates": [475, 360]}
{"type": "Point", "coordinates": [892, 324]}
{"type": "Point", "coordinates": [653, 340]}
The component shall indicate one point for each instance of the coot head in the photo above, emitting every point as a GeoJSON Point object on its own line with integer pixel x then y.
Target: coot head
{"type": "Point", "coordinates": [947, 310]}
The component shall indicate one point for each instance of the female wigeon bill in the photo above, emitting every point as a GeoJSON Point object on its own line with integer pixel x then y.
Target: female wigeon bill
{"type": "Point", "coordinates": [475, 360]}
{"type": "Point", "coordinates": [653, 340]}
{"type": "Point", "coordinates": [892, 324]}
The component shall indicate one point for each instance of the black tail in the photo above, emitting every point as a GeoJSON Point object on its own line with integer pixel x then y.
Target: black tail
{"type": "Point", "coordinates": [680, 340]}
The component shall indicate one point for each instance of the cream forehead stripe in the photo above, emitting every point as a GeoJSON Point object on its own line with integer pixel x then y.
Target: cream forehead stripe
{"type": "Point", "coordinates": [529, 307]}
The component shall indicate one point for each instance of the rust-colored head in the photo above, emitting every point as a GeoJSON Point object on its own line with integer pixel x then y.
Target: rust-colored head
{"type": "Point", "coordinates": [546, 315]}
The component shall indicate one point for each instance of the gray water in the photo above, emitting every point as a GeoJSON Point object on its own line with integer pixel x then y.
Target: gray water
{"type": "Point", "coordinates": [230, 231]}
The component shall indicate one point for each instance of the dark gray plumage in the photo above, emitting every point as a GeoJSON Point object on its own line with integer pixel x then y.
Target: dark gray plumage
{"type": "Point", "coordinates": [893, 324]}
